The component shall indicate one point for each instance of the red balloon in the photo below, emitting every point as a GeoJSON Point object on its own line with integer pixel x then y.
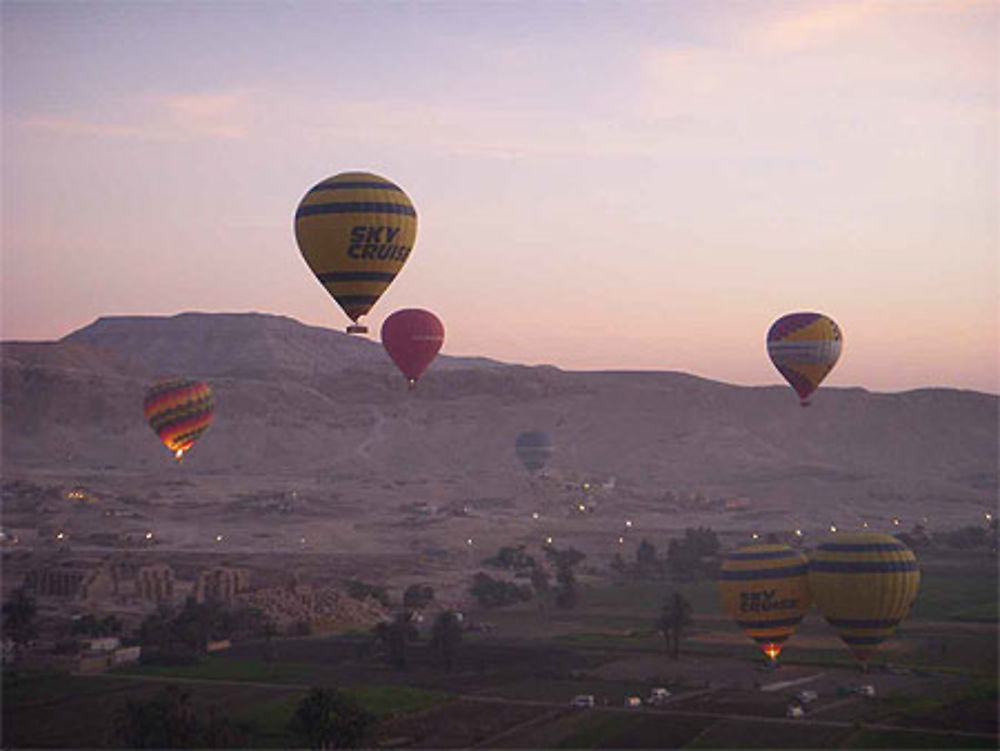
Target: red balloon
{"type": "Point", "coordinates": [412, 337]}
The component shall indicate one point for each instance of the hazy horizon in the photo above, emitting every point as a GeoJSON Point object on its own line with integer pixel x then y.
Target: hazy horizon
{"type": "Point", "coordinates": [773, 382]}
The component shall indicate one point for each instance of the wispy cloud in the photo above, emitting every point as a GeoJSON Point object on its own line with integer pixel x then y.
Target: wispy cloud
{"type": "Point", "coordinates": [814, 26]}
{"type": "Point", "coordinates": [80, 127]}
{"type": "Point", "coordinates": [209, 115]}
{"type": "Point", "coordinates": [159, 117]}
{"type": "Point", "coordinates": [837, 62]}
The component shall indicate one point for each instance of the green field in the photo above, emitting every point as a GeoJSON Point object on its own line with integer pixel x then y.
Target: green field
{"type": "Point", "coordinates": [909, 739]}
{"type": "Point", "coordinates": [957, 594]}
{"type": "Point", "coordinates": [86, 706]}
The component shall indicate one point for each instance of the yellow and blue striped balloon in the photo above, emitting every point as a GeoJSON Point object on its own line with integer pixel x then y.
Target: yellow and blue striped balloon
{"type": "Point", "coordinates": [864, 584]}
{"type": "Point", "coordinates": [356, 230]}
{"type": "Point", "coordinates": [765, 589]}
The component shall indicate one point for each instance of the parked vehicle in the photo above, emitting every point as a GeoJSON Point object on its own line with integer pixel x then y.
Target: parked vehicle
{"type": "Point", "coordinates": [658, 696]}
{"type": "Point", "coordinates": [633, 701]}
{"type": "Point", "coordinates": [795, 710]}
{"type": "Point", "coordinates": [866, 689]}
{"type": "Point", "coordinates": [806, 696]}
{"type": "Point", "coordinates": [583, 701]}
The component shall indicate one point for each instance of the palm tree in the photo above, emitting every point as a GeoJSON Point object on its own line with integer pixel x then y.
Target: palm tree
{"type": "Point", "coordinates": [675, 616]}
{"type": "Point", "coordinates": [446, 637]}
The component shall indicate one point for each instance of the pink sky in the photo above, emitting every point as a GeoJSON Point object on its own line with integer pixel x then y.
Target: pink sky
{"type": "Point", "coordinates": [599, 186]}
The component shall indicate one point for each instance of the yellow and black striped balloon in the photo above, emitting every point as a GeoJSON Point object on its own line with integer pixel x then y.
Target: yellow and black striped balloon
{"type": "Point", "coordinates": [765, 589]}
{"type": "Point", "coordinates": [179, 410]}
{"type": "Point", "coordinates": [864, 584]}
{"type": "Point", "coordinates": [356, 230]}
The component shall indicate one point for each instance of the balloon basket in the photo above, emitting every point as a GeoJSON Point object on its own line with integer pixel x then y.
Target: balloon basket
{"type": "Point", "coordinates": [357, 328]}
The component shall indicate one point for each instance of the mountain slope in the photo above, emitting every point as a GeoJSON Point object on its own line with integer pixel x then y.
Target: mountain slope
{"type": "Point", "coordinates": [300, 400]}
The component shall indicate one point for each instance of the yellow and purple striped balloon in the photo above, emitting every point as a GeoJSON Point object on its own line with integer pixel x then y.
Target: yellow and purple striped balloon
{"type": "Point", "coordinates": [804, 347]}
{"type": "Point", "coordinates": [356, 230]}
{"type": "Point", "coordinates": [765, 589]}
{"type": "Point", "coordinates": [179, 410]}
{"type": "Point", "coordinates": [864, 584]}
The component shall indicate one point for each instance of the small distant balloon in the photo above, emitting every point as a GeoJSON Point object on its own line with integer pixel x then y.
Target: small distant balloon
{"type": "Point", "coordinates": [179, 410]}
{"type": "Point", "coordinates": [804, 347]}
{"type": "Point", "coordinates": [412, 337]}
{"type": "Point", "coordinates": [534, 448]}
{"type": "Point", "coordinates": [356, 230]}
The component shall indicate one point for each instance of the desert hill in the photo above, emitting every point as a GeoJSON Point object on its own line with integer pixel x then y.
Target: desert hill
{"type": "Point", "coordinates": [301, 401]}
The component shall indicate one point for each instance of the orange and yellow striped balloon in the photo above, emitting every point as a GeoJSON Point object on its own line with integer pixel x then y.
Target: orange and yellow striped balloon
{"type": "Point", "coordinates": [864, 584]}
{"type": "Point", "coordinates": [356, 230]}
{"type": "Point", "coordinates": [179, 410]}
{"type": "Point", "coordinates": [765, 589]}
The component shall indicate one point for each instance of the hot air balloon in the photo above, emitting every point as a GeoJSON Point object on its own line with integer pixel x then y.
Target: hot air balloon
{"type": "Point", "coordinates": [179, 410]}
{"type": "Point", "coordinates": [804, 347]}
{"type": "Point", "coordinates": [533, 447]}
{"type": "Point", "coordinates": [356, 231]}
{"type": "Point", "coordinates": [765, 589]}
{"type": "Point", "coordinates": [412, 337]}
{"type": "Point", "coordinates": [864, 585]}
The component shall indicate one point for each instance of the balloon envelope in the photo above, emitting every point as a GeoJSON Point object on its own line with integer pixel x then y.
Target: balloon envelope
{"type": "Point", "coordinates": [533, 447]}
{"type": "Point", "coordinates": [765, 589]}
{"type": "Point", "coordinates": [179, 410]}
{"type": "Point", "coordinates": [864, 585]}
{"type": "Point", "coordinates": [412, 337]}
{"type": "Point", "coordinates": [804, 347]}
{"type": "Point", "coordinates": [355, 230]}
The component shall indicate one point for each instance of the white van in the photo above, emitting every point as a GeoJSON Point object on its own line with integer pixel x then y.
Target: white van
{"type": "Point", "coordinates": [583, 701]}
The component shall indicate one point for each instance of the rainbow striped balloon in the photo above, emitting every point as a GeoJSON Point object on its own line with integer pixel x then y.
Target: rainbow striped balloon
{"type": "Point", "coordinates": [179, 410]}
{"type": "Point", "coordinates": [804, 347]}
{"type": "Point", "coordinates": [356, 230]}
{"type": "Point", "coordinates": [864, 585]}
{"type": "Point", "coordinates": [765, 589]}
